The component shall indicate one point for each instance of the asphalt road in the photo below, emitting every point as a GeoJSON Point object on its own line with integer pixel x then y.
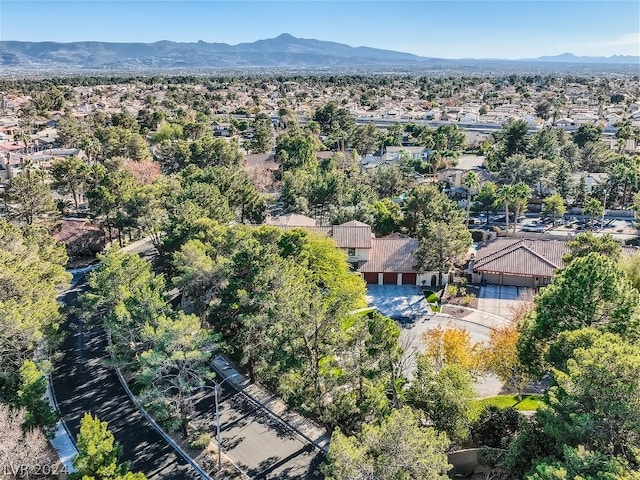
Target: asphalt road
{"type": "Point", "coordinates": [262, 446]}
{"type": "Point", "coordinates": [82, 383]}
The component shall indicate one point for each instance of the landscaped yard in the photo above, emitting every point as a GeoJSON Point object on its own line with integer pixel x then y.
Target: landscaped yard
{"type": "Point", "coordinates": [529, 402]}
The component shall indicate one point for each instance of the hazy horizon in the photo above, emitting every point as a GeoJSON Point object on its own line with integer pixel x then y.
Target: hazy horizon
{"type": "Point", "coordinates": [453, 29]}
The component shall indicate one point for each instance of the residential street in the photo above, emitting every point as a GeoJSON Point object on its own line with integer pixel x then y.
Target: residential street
{"type": "Point", "coordinates": [257, 442]}
{"type": "Point", "coordinates": [82, 383]}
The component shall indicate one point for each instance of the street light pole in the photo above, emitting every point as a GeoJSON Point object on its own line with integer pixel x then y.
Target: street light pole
{"type": "Point", "coordinates": [216, 389]}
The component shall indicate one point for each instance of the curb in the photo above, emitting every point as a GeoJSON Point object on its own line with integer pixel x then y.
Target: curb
{"type": "Point", "coordinates": [263, 406]}
{"type": "Point", "coordinates": [62, 430]}
{"type": "Point", "coordinates": [177, 448]}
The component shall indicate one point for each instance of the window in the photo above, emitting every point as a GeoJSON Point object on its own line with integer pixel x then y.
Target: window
{"type": "Point", "coordinates": [351, 252]}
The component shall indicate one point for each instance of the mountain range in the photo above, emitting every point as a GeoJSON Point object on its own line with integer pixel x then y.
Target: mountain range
{"type": "Point", "coordinates": [284, 51]}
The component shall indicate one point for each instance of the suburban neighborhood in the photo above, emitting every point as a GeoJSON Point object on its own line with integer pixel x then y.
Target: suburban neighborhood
{"type": "Point", "coordinates": [293, 258]}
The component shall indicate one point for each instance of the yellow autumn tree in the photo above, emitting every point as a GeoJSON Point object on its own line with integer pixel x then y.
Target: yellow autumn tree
{"type": "Point", "coordinates": [500, 357]}
{"type": "Point", "coordinates": [451, 346]}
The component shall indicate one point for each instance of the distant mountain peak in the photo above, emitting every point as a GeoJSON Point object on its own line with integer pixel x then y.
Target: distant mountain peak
{"type": "Point", "coordinates": [285, 36]}
{"type": "Point", "coordinates": [283, 51]}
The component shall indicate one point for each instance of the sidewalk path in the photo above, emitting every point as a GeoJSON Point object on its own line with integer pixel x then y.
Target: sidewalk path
{"type": "Point", "coordinates": [62, 442]}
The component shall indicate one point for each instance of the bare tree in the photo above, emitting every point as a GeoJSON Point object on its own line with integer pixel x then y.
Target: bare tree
{"type": "Point", "coordinates": [23, 454]}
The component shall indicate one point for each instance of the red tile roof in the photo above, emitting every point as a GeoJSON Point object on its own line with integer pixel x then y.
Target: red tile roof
{"type": "Point", "coordinates": [291, 220]}
{"type": "Point", "coordinates": [352, 234]}
{"type": "Point", "coordinates": [391, 254]}
{"type": "Point", "coordinates": [521, 256]}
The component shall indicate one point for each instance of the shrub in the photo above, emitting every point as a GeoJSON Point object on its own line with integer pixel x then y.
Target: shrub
{"type": "Point", "coordinates": [451, 290]}
{"type": "Point", "coordinates": [432, 297]}
{"type": "Point", "coordinates": [468, 298]}
{"type": "Point", "coordinates": [495, 427]}
{"type": "Point", "coordinates": [491, 457]}
{"type": "Point", "coordinates": [477, 236]}
{"type": "Point", "coordinates": [200, 440]}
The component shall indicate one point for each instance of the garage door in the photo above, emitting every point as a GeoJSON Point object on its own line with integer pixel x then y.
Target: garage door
{"type": "Point", "coordinates": [517, 281]}
{"type": "Point", "coordinates": [390, 278]}
{"type": "Point", "coordinates": [409, 278]}
{"type": "Point", "coordinates": [514, 280]}
{"type": "Point", "coordinates": [371, 278]}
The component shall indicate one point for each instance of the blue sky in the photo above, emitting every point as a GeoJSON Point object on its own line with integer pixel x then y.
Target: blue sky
{"type": "Point", "coordinates": [450, 29]}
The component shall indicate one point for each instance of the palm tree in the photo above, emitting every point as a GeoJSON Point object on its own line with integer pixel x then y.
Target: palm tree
{"type": "Point", "coordinates": [594, 209]}
{"type": "Point", "coordinates": [470, 181]}
{"type": "Point", "coordinates": [521, 194]}
{"type": "Point", "coordinates": [506, 196]}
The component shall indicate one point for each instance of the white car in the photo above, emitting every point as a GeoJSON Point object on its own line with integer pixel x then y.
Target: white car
{"type": "Point", "coordinates": [533, 227]}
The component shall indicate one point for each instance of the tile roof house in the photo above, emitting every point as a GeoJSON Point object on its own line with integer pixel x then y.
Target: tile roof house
{"type": "Point", "coordinates": [381, 261]}
{"type": "Point", "coordinates": [523, 262]}
{"type": "Point", "coordinates": [519, 261]}
{"type": "Point", "coordinates": [291, 220]}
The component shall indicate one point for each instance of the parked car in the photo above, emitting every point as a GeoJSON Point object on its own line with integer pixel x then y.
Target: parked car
{"type": "Point", "coordinates": [534, 227]}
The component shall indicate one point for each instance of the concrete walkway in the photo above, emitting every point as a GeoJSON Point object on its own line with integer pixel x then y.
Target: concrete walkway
{"type": "Point", "coordinates": [62, 442]}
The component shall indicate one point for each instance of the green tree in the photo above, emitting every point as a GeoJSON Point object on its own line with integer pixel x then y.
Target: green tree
{"type": "Point", "coordinates": [108, 199]}
{"type": "Point", "coordinates": [596, 402]}
{"type": "Point", "coordinates": [28, 196]}
{"type": "Point", "coordinates": [510, 140]}
{"type": "Point", "coordinates": [520, 197]}
{"type": "Point", "coordinates": [98, 453]}
{"type": "Point", "coordinates": [487, 198]}
{"type": "Point", "coordinates": [297, 149]}
{"type": "Point", "coordinates": [470, 182]}
{"type": "Point", "coordinates": [495, 427]}
{"type": "Point", "coordinates": [32, 274]}
{"type": "Point", "coordinates": [70, 175]}
{"type": "Point", "coordinates": [394, 136]}
{"type": "Point", "coordinates": [398, 448]}
{"type": "Point", "coordinates": [387, 217]}
{"type": "Point", "coordinates": [445, 395]}
{"type": "Point", "coordinates": [553, 207]}
{"type": "Point", "coordinates": [425, 204]}
{"type": "Point", "coordinates": [31, 396]}
{"type": "Point", "coordinates": [596, 157]}
{"type": "Point", "coordinates": [168, 131]}
{"type": "Point", "coordinates": [585, 243]}
{"type": "Point", "coordinates": [563, 180]}
{"type": "Point", "coordinates": [70, 131]}
{"type": "Point", "coordinates": [366, 139]}
{"type": "Point", "coordinates": [441, 246]}
{"type": "Point", "coordinates": [591, 291]}
{"type": "Point", "coordinates": [506, 195]}
{"type": "Point", "coordinates": [389, 181]}
{"type": "Point", "coordinates": [580, 463]}
{"type": "Point", "coordinates": [593, 208]}
{"type": "Point", "coordinates": [176, 362]}
{"type": "Point", "coordinates": [586, 133]}
{"type": "Point", "coordinates": [125, 296]}
{"type": "Point", "coordinates": [263, 134]}
{"type": "Point", "coordinates": [631, 266]}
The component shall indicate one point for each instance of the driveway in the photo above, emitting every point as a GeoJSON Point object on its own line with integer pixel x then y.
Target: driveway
{"type": "Point", "coordinates": [408, 302]}
{"type": "Point", "coordinates": [500, 299]}
{"type": "Point", "coordinates": [398, 301]}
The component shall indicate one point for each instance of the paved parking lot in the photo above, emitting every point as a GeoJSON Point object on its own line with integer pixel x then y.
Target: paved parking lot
{"type": "Point", "coordinates": [500, 299]}
{"type": "Point", "coordinates": [398, 301]}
